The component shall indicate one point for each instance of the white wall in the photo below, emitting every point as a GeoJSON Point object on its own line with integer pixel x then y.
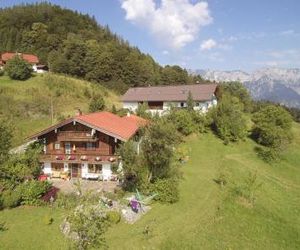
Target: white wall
{"type": "Point", "coordinates": [106, 171]}
{"type": "Point", "coordinates": [201, 106]}
{"type": "Point", "coordinates": [47, 168]}
{"type": "Point", "coordinates": [132, 106]}
{"type": "Point", "coordinates": [84, 169]}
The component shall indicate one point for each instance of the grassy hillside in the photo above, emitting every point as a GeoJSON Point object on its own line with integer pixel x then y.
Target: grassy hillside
{"type": "Point", "coordinates": [28, 103]}
{"type": "Point", "coordinates": [207, 216]}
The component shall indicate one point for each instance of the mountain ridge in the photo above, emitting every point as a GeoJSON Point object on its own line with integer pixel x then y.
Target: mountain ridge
{"type": "Point", "coordinates": [275, 84]}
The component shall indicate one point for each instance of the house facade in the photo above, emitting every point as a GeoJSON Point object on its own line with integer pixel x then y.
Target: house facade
{"type": "Point", "coordinates": [85, 146]}
{"type": "Point", "coordinates": [160, 99]}
{"type": "Point", "coordinates": [32, 59]}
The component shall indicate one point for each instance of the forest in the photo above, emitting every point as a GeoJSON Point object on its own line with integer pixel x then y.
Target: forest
{"type": "Point", "coordinates": [75, 44]}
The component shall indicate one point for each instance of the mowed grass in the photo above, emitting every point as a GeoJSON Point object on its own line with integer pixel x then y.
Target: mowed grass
{"type": "Point", "coordinates": [26, 229]}
{"type": "Point", "coordinates": [28, 104]}
{"type": "Point", "coordinates": [207, 216]}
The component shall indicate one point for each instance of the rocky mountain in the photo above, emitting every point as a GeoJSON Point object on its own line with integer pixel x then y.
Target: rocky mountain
{"type": "Point", "coordinates": [273, 84]}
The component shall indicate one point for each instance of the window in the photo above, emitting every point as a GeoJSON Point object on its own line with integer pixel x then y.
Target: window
{"type": "Point", "coordinates": [57, 166]}
{"type": "Point", "coordinates": [182, 104]}
{"type": "Point", "coordinates": [95, 168]}
{"type": "Point", "coordinates": [57, 146]}
{"type": "Point", "coordinates": [197, 104]}
{"type": "Point", "coordinates": [68, 147]}
{"type": "Point", "coordinates": [90, 146]}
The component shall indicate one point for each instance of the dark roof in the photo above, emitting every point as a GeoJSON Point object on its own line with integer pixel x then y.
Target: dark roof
{"type": "Point", "coordinates": [200, 92]}
{"type": "Point", "coordinates": [122, 128]}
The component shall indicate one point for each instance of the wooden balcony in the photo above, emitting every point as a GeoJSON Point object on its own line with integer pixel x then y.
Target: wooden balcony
{"type": "Point", "coordinates": [92, 158]}
{"type": "Point", "coordinates": [76, 136]}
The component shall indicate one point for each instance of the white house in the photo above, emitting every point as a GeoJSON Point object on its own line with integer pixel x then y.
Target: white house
{"type": "Point", "coordinates": [161, 98]}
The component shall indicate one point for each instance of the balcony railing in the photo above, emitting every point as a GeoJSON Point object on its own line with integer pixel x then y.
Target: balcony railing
{"type": "Point", "coordinates": [78, 158]}
{"type": "Point", "coordinates": [76, 136]}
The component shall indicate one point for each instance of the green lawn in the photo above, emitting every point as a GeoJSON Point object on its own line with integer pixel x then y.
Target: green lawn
{"type": "Point", "coordinates": [206, 217]}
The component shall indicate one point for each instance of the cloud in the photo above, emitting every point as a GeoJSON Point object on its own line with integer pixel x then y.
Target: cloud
{"type": "Point", "coordinates": [208, 44]}
{"type": "Point", "coordinates": [165, 52]}
{"type": "Point", "coordinates": [175, 23]}
{"type": "Point", "coordinates": [287, 33]}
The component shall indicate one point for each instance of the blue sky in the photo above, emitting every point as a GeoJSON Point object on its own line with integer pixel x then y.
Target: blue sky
{"type": "Point", "coordinates": [212, 34]}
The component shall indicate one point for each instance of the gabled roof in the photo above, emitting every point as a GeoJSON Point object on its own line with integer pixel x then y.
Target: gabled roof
{"type": "Point", "coordinates": [122, 128]}
{"type": "Point", "coordinates": [27, 57]}
{"type": "Point", "coordinates": [200, 92]}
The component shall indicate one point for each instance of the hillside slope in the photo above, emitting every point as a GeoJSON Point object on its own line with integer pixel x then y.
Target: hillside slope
{"type": "Point", "coordinates": [206, 216]}
{"type": "Point", "coordinates": [28, 104]}
{"type": "Point", "coordinates": [209, 217]}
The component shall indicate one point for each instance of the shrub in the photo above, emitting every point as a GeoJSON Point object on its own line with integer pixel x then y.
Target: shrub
{"type": "Point", "coordinates": [268, 154]}
{"type": "Point", "coordinates": [183, 121]}
{"type": "Point", "coordinates": [18, 69]}
{"type": "Point", "coordinates": [228, 119]}
{"type": "Point", "coordinates": [32, 191]}
{"type": "Point", "coordinates": [272, 127]}
{"type": "Point", "coordinates": [1, 72]}
{"type": "Point", "coordinates": [48, 220]}
{"type": "Point", "coordinates": [88, 224]}
{"type": "Point", "coordinates": [66, 201]}
{"type": "Point", "coordinates": [2, 226]}
{"type": "Point", "coordinates": [97, 103]}
{"type": "Point", "coordinates": [11, 199]}
{"type": "Point", "coordinates": [113, 217]}
{"type": "Point", "coordinates": [248, 188]}
{"type": "Point", "coordinates": [166, 190]}
{"type": "Point", "coordinates": [142, 111]}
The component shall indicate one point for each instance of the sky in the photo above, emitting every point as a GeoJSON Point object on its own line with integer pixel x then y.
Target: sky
{"type": "Point", "coordinates": [213, 34]}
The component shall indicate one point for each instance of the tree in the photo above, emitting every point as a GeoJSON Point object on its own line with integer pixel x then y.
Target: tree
{"type": "Point", "coordinates": [19, 167]}
{"type": "Point", "coordinates": [158, 148]}
{"type": "Point", "coordinates": [142, 111]}
{"type": "Point", "coordinates": [133, 171]}
{"type": "Point", "coordinates": [183, 121]}
{"type": "Point", "coordinates": [5, 140]}
{"type": "Point", "coordinates": [272, 127]}
{"type": "Point", "coordinates": [190, 102]}
{"type": "Point", "coordinates": [88, 224]}
{"type": "Point", "coordinates": [18, 69]}
{"type": "Point", "coordinates": [228, 119]}
{"type": "Point", "coordinates": [97, 103]}
{"type": "Point", "coordinates": [238, 90]}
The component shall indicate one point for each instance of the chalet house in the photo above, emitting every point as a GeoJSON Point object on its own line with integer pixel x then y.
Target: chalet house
{"type": "Point", "coordinates": [85, 146]}
{"type": "Point", "coordinates": [161, 98]}
{"type": "Point", "coordinates": [32, 59]}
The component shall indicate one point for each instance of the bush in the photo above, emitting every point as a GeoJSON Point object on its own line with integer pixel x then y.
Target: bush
{"type": "Point", "coordinates": [183, 121]}
{"type": "Point", "coordinates": [1, 72]}
{"type": "Point", "coordinates": [113, 217]}
{"type": "Point", "coordinates": [247, 189]}
{"type": "Point", "coordinates": [66, 201]}
{"type": "Point", "coordinates": [268, 154]}
{"type": "Point", "coordinates": [18, 69]}
{"type": "Point", "coordinates": [166, 190]}
{"type": "Point", "coordinates": [228, 119]}
{"type": "Point", "coordinates": [48, 220]}
{"type": "Point", "coordinates": [97, 103]}
{"type": "Point", "coordinates": [11, 199]}
{"type": "Point", "coordinates": [32, 191]}
{"type": "Point", "coordinates": [272, 127]}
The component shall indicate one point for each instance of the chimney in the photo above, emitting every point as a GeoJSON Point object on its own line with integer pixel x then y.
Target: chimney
{"type": "Point", "coordinates": [78, 112]}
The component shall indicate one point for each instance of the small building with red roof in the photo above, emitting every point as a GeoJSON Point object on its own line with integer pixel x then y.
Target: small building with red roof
{"type": "Point", "coordinates": [85, 146]}
{"type": "Point", "coordinates": [32, 59]}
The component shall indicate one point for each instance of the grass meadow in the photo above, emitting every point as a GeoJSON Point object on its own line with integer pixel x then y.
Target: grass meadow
{"type": "Point", "coordinates": [207, 216]}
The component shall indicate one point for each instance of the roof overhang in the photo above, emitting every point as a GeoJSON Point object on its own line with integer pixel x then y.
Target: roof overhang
{"type": "Point", "coordinates": [48, 130]}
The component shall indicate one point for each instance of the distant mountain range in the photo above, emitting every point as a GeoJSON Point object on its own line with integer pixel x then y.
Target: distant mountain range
{"type": "Point", "coordinates": [273, 84]}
